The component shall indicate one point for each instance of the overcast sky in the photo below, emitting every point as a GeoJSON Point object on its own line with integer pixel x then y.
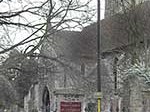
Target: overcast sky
{"type": "Point", "coordinates": [15, 4]}
{"type": "Point", "coordinates": [94, 4]}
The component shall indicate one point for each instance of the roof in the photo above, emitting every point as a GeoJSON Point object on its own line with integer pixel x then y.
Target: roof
{"type": "Point", "coordinates": [65, 43]}
{"type": "Point", "coordinates": [116, 32]}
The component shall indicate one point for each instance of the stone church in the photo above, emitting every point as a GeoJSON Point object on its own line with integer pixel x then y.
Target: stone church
{"type": "Point", "coordinates": [71, 75]}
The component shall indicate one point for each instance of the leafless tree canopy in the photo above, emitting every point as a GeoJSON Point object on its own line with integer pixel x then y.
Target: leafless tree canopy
{"type": "Point", "coordinates": [29, 22]}
{"type": "Point", "coordinates": [24, 25]}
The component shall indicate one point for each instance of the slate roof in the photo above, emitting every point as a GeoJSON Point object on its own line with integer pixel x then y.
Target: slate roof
{"type": "Point", "coordinates": [65, 42]}
{"type": "Point", "coordinates": [115, 32]}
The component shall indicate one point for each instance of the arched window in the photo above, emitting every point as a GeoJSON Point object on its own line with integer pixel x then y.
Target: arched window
{"type": "Point", "coordinates": [115, 73]}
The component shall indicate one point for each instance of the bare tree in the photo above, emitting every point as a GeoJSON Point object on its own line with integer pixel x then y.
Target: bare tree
{"type": "Point", "coordinates": [31, 23]}
{"type": "Point", "coordinates": [27, 21]}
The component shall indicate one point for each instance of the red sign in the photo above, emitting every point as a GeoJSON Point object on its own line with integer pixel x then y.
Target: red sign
{"type": "Point", "coordinates": [70, 106]}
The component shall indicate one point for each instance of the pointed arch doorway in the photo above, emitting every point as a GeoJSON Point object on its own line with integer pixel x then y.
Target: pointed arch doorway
{"type": "Point", "coordinates": [46, 100]}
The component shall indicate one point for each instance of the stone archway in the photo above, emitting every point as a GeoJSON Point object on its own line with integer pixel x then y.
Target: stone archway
{"type": "Point", "coordinates": [46, 100]}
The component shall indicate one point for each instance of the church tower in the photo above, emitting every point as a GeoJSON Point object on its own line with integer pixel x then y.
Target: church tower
{"type": "Point", "coordinates": [115, 6]}
{"type": "Point", "coordinates": [111, 7]}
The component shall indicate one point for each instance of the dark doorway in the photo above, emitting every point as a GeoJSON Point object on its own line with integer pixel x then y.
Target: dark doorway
{"type": "Point", "coordinates": [46, 100]}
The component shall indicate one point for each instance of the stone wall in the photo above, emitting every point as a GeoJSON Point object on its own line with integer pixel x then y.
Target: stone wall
{"type": "Point", "coordinates": [134, 99]}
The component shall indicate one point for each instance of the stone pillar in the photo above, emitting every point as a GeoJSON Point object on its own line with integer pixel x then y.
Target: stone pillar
{"type": "Point", "coordinates": [115, 104]}
{"type": "Point", "coordinates": [111, 7]}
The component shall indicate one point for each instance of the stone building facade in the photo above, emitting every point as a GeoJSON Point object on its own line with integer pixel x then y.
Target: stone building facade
{"type": "Point", "coordinates": [79, 75]}
{"type": "Point", "coordinates": [74, 68]}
